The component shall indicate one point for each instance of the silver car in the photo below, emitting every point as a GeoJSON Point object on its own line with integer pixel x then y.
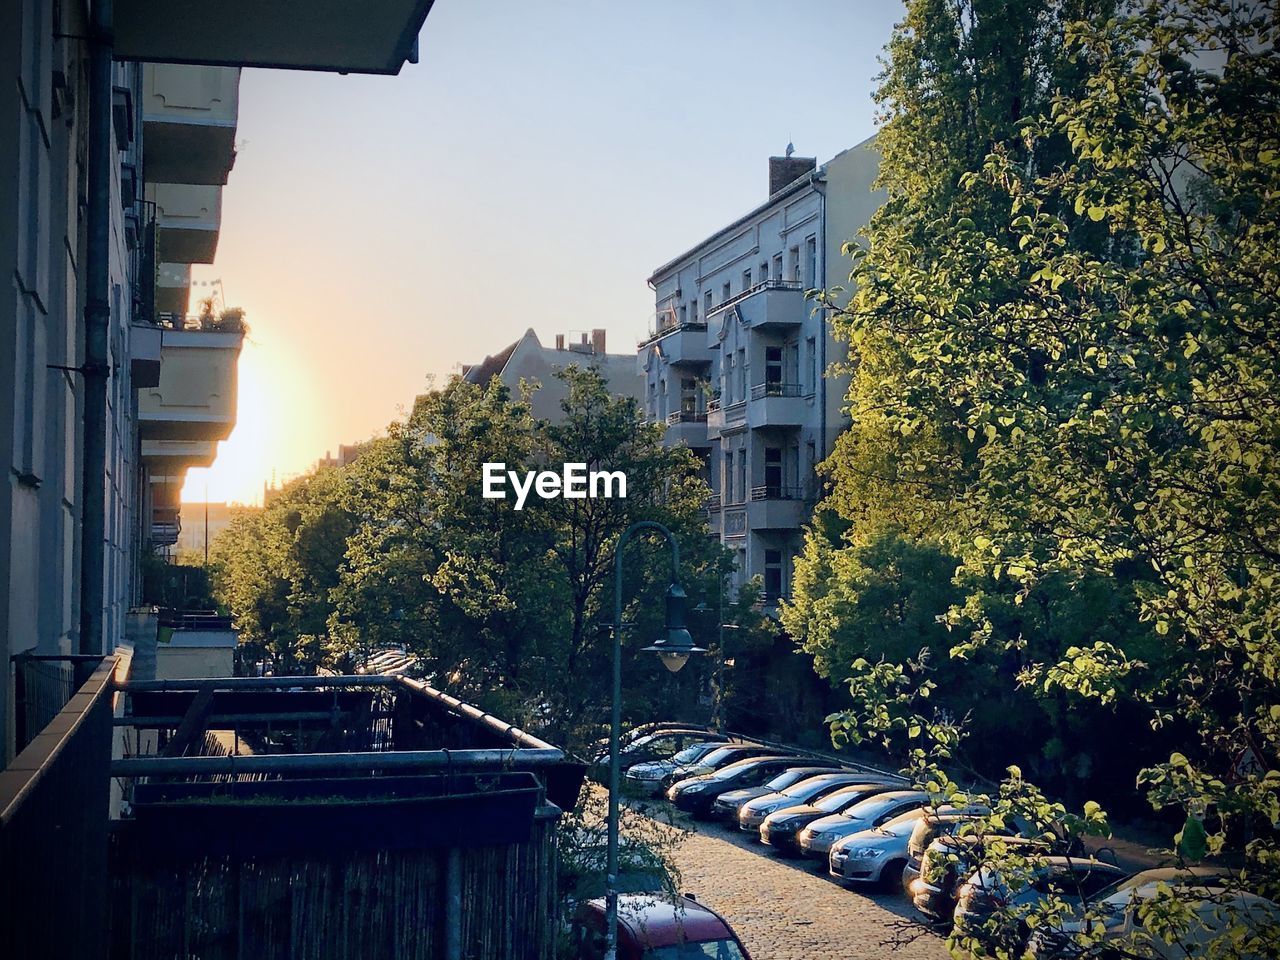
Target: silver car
{"type": "Point", "coordinates": [648, 778]}
{"type": "Point", "coordinates": [817, 839]}
{"type": "Point", "coordinates": [880, 854]}
{"type": "Point", "coordinates": [752, 813]}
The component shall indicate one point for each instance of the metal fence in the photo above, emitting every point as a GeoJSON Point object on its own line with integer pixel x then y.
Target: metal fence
{"type": "Point", "coordinates": [54, 800]}
{"type": "Point", "coordinates": [42, 686]}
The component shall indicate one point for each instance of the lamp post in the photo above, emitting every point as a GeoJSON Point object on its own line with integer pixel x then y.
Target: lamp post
{"type": "Point", "coordinates": [674, 650]}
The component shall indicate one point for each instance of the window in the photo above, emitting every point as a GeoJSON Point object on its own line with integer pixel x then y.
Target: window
{"type": "Point", "coordinates": [746, 280]}
{"type": "Point", "coordinates": [795, 263]}
{"type": "Point", "coordinates": [725, 291]}
{"type": "Point", "coordinates": [772, 367]}
{"type": "Point", "coordinates": [792, 372]}
{"type": "Point", "coordinates": [662, 410]}
{"type": "Point", "coordinates": [773, 573]}
{"type": "Point", "coordinates": [742, 476]}
{"type": "Point", "coordinates": [811, 468]}
{"type": "Point", "coordinates": [684, 316]}
{"type": "Point", "coordinates": [689, 395]}
{"type": "Point", "coordinates": [811, 380]}
{"type": "Point", "coordinates": [777, 266]}
{"type": "Point", "coordinates": [811, 262]}
{"type": "Point", "coordinates": [742, 374]}
{"type": "Point", "coordinates": [764, 270]}
{"type": "Point", "coordinates": [707, 302]}
{"type": "Point", "coordinates": [693, 310]}
{"type": "Point", "coordinates": [773, 471]}
{"type": "Point", "coordinates": [729, 378]}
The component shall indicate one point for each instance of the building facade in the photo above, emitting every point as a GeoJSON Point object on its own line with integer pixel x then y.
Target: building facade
{"type": "Point", "coordinates": [738, 363]}
{"type": "Point", "coordinates": [528, 360]}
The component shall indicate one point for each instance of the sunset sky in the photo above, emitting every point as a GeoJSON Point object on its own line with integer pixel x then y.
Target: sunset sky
{"type": "Point", "coordinates": [530, 171]}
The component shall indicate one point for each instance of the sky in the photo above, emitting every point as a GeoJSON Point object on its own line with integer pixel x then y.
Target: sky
{"type": "Point", "coordinates": [531, 170]}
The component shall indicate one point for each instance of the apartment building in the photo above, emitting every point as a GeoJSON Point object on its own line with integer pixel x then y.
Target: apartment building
{"type": "Point", "coordinates": [737, 365]}
{"type": "Point", "coordinates": [117, 136]}
{"type": "Point", "coordinates": [528, 360]}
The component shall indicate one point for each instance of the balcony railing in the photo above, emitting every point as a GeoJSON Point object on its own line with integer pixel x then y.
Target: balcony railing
{"type": "Point", "coordinates": [692, 326]}
{"type": "Point", "coordinates": [229, 321]}
{"type": "Point", "coordinates": [775, 388]}
{"type": "Point", "coordinates": [54, 819]}
{"type": "Point", "coordinates": [770, 491]}
{"type": "Point", "coordinates": [713, 503]}
{"type": "Point", "coordinates": [686, 416]}
{"type": "Point", "coordinates": [753, 290]}
{"type": "Point", "coordinates": [42, 686]}
{"type": "Point", "coordinates": [713, 404]}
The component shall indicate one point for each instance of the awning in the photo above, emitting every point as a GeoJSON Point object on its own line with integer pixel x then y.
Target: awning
{"type": "Point", "coordinates": [338, 36]}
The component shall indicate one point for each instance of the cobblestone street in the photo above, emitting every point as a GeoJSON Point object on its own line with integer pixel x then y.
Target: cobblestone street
{"type": "Point", "coordinates": [788, 910]}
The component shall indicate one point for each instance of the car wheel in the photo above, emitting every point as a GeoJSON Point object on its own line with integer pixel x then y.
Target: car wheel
{"type": "Point", "coordinates": [891, 875]}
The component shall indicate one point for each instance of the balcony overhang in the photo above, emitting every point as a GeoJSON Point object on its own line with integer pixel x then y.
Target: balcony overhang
{"type": "Point", "coordinates": [144, 355]}
{"type": "Point", "coordinates": [189, 116]}
{"type": "Point", "coordinates": [337, 36]}
{"type": "Point", "coordinates": [196, 398]}
{"type": "Point", "coordinates": [188, 217]}
{"type": "Point", "coordinates": [168, 457]}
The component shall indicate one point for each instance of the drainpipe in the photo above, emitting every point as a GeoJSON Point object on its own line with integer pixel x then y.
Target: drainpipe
{"type": "Point", "coordinates": [815, 179]}
{"type": "Point", "coordinates": [97, 321]}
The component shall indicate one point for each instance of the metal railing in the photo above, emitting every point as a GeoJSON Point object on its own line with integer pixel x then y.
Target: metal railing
{"type": "Point", "coordinates": [693, 326]}
{"type": "Point", "coordinates": [713, 404]}
{"type": "Point", "coordinates": [769, 491]}
{"type": "Point", "coordinates": [752, 291]}
{"type": "Point", "coordinates": [194, 620]}
{"type": "Point", "coordinates": [775, 388]}
{"type": "Point", "coordinates": [713, 503]}
{"type": "Point", "coordinates": [686, 416]}
{"type": "Point", "coordinates": [229, 321]}
{"type": "Point", "coordinates": [54, 819]}
{"type": "Point", "coordinates": [42, 685]}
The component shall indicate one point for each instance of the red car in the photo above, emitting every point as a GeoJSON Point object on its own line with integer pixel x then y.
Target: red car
{"type": "Point", "coordinates": [652, 928]}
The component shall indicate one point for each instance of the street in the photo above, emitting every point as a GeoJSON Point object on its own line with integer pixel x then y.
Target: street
{"type": "Point", "coordinates": [788, 910]}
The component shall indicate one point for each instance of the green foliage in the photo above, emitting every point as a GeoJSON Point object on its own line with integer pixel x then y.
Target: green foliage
{"type": "Point", "coordinates": [1064, 326]}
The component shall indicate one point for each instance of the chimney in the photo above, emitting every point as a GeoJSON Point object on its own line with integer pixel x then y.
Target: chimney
{"type": "Point", "coordinates": [784, 171]}
{"type": "Point", "coordinates": [559, 341]}
{"type": "Point", "coordinates": [597, 342]}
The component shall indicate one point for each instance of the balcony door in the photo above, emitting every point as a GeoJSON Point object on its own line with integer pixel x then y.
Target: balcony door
{"type": "Point", "coordinates": [773, 471]}
{"type": "Point", "coordinates": [772, 369]}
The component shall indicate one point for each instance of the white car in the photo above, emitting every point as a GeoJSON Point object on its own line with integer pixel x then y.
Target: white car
{"type": "Point", "coordinates": [1214, 908]}
{"type": "Point", "coordinates": [817, 839]}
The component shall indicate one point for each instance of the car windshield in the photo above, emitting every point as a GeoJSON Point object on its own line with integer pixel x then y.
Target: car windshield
{"type": "Point", "coordinates": [837, 801]}
{"type": "Point", "coordinates": [785, 779]}
{"type": "Point", "coordinates": [806, 790]}
{"type": "Point", "coordinates": [704, 950]}
{"type": "Point", "coordinates": [872, 807]}
{"type": "Point", "coordinates": [720, 753]}
{"type": "Point", "coordinates": [1203, 881]}
{"type": "Point", "coordinates": [690, 754]}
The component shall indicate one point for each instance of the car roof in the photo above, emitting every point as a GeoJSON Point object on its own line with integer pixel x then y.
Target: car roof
{"type": "Point", "coordinates": [654, 921]}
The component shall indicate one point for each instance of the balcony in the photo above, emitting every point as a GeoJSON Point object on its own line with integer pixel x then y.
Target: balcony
{"type": "Point", "coordinates": [196, 398]}
{"type": "Point", "coordinates": [687, 427]}
{"type": "Point", "coordinates": [189, 118]}
{"type": "Point", "coordinates": [776, 305]}
{"type": "Point", "coordinates": [776, 507]}
{"type": "Point", "coordinates": [722, 418]}
{"type": "Point", "coordinates": [777, 405]}
{"type": "Point", "coordinates": [145, 342]}
{"type": "Point", "coordinates": [168, 457]}
{"type": "Point", "coordinates": [188, 217]}
{"type": "Point", "coordinates": [682, 344]}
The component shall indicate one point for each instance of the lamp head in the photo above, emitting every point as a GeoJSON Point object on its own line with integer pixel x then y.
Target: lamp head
{"type": "Point", "coordinates": [675, 648]}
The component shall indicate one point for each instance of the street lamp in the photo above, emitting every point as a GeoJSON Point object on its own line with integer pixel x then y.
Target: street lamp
{"type": "Point", "coordinates": [674, 649]}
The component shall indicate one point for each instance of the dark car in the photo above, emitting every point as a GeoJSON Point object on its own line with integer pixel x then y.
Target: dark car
{"type": "Point", "coordinates": [696, 794]}
{"type": "Point", "coordinates": [659, 745]}
{"type": "Point", "coordinates": [945, 865]}
{"type": "Point", "coordinates": [781, 829]}
{"type": "Point", "coordinates": [652, 928]}
{"type": "Point", "coordinates": [752, 812]}
{"type": "Point", "coordinates": [728, 805]}
{"type": "Point", "coordinates": [713, 761]}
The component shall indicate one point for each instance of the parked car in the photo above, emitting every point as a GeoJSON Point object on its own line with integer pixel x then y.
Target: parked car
{"type": "Point", "coordinates": [948, 861]}
{"type": "Point", "coordinates": [1214, 906]}
{"type": "Point", "coordinates": [659, 745]}
{"type": "Point", "coordinates": [781, 829]}
{"type": "Point", "coordinates": [992, 911]}
{"type": "Point", "coordinates": [875, 856]}
{"type": "Point", "coordinates": [729, 805]}
{"type": "Point", "coordinates": [752, 813]}
{"type": "Point", "coordinates": [653, 928]}
{"type": "Point", "coordinates": [817, 839]}
{"type": "Point", "coordinates": [601, 746]}
{"type": "Point", "coordinates": [646, 779]}
{"type": "Point", "coordinates": [697, 794]}
{"type": "Point", "coordinates": [947, 822]}
{"type": "Point", "coordinates": [713, 761]}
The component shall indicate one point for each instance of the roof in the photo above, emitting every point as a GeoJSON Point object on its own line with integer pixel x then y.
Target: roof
{"type": "Point", "coordinates": [654, 922]}
{"type": "Point", "coordinates": [490, 367]}
{"type": "Point", "coordinates": [795, 186]}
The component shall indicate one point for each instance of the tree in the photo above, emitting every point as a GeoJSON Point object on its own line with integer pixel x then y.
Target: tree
{"type": "Point", "coordinates": [1073, 287]}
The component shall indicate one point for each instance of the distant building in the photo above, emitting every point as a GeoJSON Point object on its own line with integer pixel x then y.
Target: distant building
{"type": "Point", "coordinates": [528, 359]}
{"type": "Point", "coordinates": [736, 365]}
{"type": "Point", "coordinates": [194, 518]}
